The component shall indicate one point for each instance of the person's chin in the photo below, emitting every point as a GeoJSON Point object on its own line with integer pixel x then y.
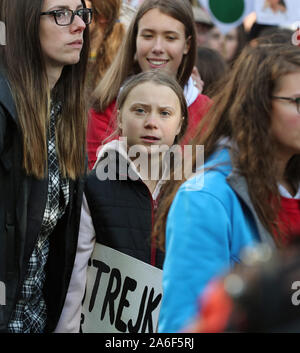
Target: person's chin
{"type": "Point", "coordinates": [73, 60]}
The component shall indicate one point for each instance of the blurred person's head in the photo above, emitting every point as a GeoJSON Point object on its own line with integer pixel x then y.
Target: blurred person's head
{"type": "Point", "coordinates": [203, 24]}
{"type": "Point", "coordinates": [211, 67]}
{"type": "Point", "coordinates": [229, 45]}
{"type": "Point", "coordinates": [273, 36]}
{"type": "Point", "coordinates": [105, 14]}
{"type": "Point", "coordinates": [260, 295]}
{"type": "Point", "coordinates": [257, 28]}
{"type": "Point", "coordinates": [107, 33]}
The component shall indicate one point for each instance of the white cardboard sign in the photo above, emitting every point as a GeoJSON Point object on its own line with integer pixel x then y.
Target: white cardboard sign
{"type": "Point", "coordinates": [123, 294]}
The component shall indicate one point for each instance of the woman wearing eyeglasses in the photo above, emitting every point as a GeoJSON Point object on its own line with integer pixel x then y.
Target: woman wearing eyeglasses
{"type": "Point", "coordinates": [251, 189]}
{"type": "Point", "coordinates": [42, 156]}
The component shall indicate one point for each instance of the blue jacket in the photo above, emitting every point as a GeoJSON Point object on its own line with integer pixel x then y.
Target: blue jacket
{"type": "Point", "coordinates": [210, 221]}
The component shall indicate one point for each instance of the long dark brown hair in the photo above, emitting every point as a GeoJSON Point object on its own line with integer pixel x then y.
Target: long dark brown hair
{"type": "Point", "coordinates": [125, 65]}
{"type": "Point", "coordinates": [24, 64]}
{"type": "Point", "coordinates": [242, 113]}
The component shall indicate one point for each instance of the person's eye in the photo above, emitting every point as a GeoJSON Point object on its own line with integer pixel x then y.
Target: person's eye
{"type": "Point", "coordinates": [140, 111]}
{"type": "Point", "coordinates": [215, 36]}
{"type": "Point", "coordinates": [230, 38]}
{"type": "Point", "coordinates": [62, 13]}
{"type": "Point", "coordinates": [147, 36]}
{"type": "Point", "coordinates": [297, 101]}
{"type": "Point", "coordinates": [165, 113]}
{"type": "Point", "coordinates": [171, 38]}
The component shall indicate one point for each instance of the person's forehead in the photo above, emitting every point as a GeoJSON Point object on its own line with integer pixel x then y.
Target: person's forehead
{"type": "Point", "coordinates": [62, 3]}
{"type": "Point", "coordinates": [159, 91]}
{"type": "Point", "coordinates": [169, 23]}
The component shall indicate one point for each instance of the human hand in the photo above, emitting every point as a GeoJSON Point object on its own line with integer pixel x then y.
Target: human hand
{"type": "Point", "coordinates": [197, 79]}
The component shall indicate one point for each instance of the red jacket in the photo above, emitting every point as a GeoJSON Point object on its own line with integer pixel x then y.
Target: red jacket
{"type": "Point", "coordinates": [102, 125]}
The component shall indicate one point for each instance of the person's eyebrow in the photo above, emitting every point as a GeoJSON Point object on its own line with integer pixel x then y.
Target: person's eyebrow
{"type": "Point", "coordinates": [140, 104]}
{"type": "Point", "coordinates": [167, 107]}
{"type": "Point", "coordinates": [147, 106]}
{"type": "Point", "coordinates": [152, 30]}
{"type": "Point", "coordinates": [62, 7]}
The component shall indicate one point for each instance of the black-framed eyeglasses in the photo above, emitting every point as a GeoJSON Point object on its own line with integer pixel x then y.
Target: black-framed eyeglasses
{"type": "Point", "coordinates": [65, 17]}
{"type": "Point", "coordinates": [290, 99]}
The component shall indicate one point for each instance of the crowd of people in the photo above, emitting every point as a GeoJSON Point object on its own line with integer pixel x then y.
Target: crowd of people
{"type": "Point", "coordinates": [98, 102]}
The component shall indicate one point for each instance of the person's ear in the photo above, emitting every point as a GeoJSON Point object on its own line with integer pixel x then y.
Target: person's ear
{"type": "Point", "coordinates": [187, 45]}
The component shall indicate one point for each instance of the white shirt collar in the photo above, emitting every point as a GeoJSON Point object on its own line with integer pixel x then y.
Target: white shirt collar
{"type": "Point", "coordinates": [283, 192]}
{"type": "Point", "coordinates": [191, 92]}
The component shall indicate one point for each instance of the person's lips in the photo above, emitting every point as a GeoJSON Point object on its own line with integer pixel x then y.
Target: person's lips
{"type": "Point", "coordinates": [157, 63]}
{"type": "Point", "coordinates": [150, 139]}
{"type": "Point", "coordinates": [76, 44]}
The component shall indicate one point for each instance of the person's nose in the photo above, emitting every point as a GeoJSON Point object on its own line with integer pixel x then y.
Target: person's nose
{"type": "Point", "coordinates": [221, 41]}
{"type": "Point", "coordinates": [78, 25]}
{"type": "Point", "coordinates": [158, 47]}
{"type": "Point", "coordinates": [151, 121]}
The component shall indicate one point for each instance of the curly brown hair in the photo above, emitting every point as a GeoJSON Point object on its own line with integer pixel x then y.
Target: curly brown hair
{"type": "Point", "coordinates": [105, 13]}
{"type": "Point", "coordinates": [242, 112]}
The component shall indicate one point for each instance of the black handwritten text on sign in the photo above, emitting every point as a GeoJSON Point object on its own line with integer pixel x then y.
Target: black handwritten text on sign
{"type": "Point", "coordinates": [117, 299]}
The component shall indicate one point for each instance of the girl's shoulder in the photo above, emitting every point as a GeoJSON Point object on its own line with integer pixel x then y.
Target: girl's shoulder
{"type": "Point", "coordinates": [201, 102]}
{"type": "Point", "coordinates": [197, 110]}
{"type": "Point", "coordinates": [109, 110]}
{"type": "Point", "coordinates": [211, 178]}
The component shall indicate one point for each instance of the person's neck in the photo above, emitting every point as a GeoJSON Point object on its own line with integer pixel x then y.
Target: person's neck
{"type": "Point", "coordinates": [53, 74]}
{"type": "Point", "coordinates": [151, 184]}
{"type": "Point", "coordinates": [282, 163]}
{"type": "Point", "coordinates": [151, 176]}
